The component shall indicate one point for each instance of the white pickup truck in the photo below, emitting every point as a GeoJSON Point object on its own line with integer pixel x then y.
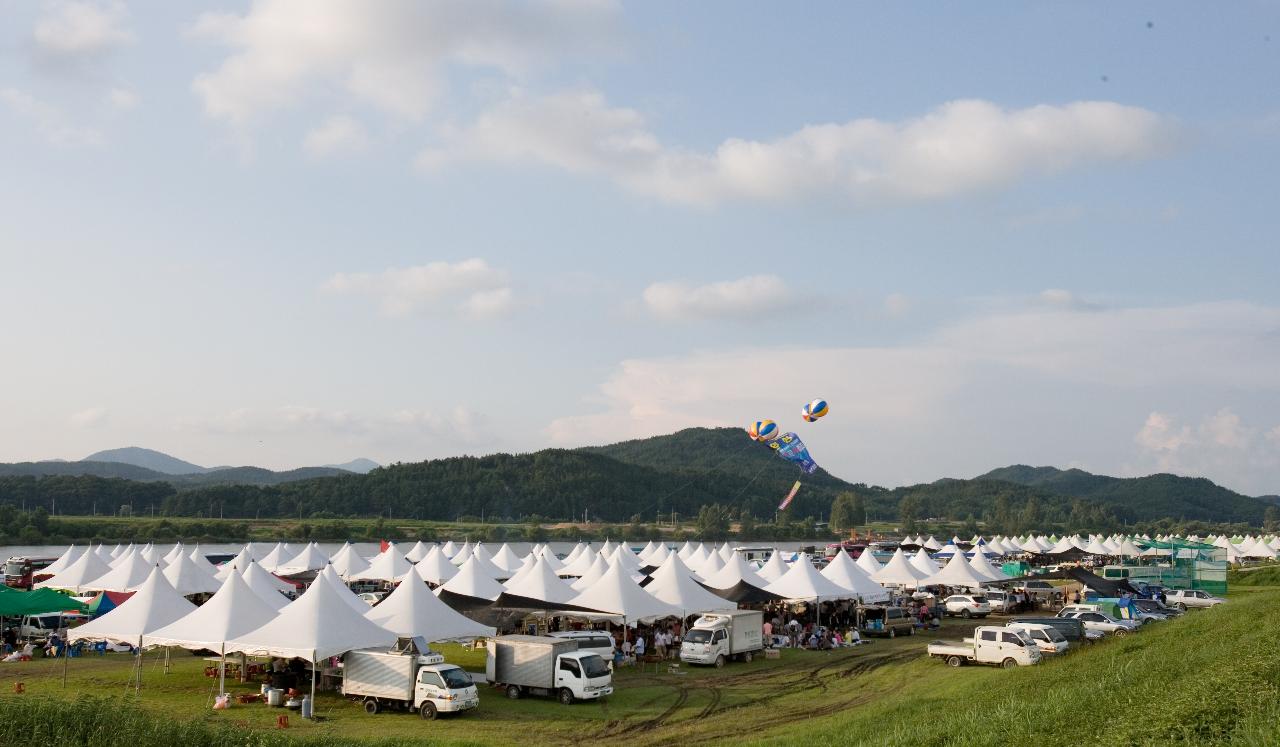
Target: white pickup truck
{"type": "Point", "coordinates": [989, 645]}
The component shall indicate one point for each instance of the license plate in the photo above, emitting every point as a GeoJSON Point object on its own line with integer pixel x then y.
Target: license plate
{"type": "Point", "coordinates": [470, 703]}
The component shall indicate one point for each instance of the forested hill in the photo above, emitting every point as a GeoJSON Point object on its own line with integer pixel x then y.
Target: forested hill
{"type": "Point", "coordinates": [1159, 494]}
{"type": "Point", "coordinates": [218, 476]}
{"type": "Point", "coordinates": [646, 478]}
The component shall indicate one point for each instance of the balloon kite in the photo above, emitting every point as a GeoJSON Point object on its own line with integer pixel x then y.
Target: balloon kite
{"type": "Point", "coordinates": [814, 410]}
{"type": "Point", "coordinates": [763, 431]}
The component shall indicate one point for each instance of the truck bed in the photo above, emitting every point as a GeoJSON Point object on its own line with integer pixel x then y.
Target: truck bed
{"type": "Point", "coordinates": [950, 648]}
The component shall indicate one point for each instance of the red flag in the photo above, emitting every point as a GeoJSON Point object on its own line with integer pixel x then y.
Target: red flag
{"type": "Point", "coordinates": [383, 547]}
{"type": "Point", "coordinates": [787, 501]}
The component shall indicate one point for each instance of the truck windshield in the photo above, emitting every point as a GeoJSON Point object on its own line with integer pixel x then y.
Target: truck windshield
{"type": "Point", "coordinates": [455, 678]}
{"type": "Point", "coordinates": [593, 666]}
{"type": "Point", "coordinates": [698, 636]}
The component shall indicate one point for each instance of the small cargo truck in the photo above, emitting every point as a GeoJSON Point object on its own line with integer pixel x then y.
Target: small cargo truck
{"type": "Point", "coordinates": [989, 645]}
{"type": "Point", "coordinates": [716, 637]}
{"type": "Point", "coordinates": [544, 665]}
{"type": "Point", "coordinates": [407, 676]}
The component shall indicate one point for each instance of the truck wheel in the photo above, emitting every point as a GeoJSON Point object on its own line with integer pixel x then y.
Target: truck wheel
{"type": "Point", "coordinates": [720, 661]}
{"type": "Point", "coordinates": [747, 657]}
{"type": "Point", "coordinates": [954, 661]}
{"type": "Point", "coordinates": [964, 614]}
{"type": "Point", "coordinates": [566, 696]}
{"type": "Point", "coordinates": [513, 692]}
{"type": "Point", "coordinates": [1009, 663]}
{"type": "Point", "coordinates": [371, 706]}
{"type": "Point", "coordinates": [427, 711]}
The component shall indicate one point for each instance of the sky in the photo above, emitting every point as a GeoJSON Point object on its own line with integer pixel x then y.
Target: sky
{"type": "Point", "coordinates": [294, 232]}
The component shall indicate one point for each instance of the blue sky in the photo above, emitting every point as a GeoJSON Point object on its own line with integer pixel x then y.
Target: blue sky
{"type": "Point", "coordinates": [288, 233]}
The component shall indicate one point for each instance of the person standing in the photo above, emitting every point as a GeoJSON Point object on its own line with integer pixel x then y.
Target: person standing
{"type": "Point", "coordinates": [660, 644]}
{"type": "Point", "coordinates": [639, 649]}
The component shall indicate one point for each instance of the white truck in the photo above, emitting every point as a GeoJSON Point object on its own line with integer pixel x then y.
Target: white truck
{"type": "Point", "coordinates": [989, 645]}
{"type": "Point", "coordinates": [716, 637]}
{"type": "Point", "coordinates": [409, 675]}
{"type": "Point", "coordinates": [543, 665]}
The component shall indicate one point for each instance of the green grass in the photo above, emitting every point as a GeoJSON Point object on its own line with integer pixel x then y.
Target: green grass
{"type": "Point", "coordinates": [1268, 575]}
{"type": "Point", "coordinates": [1211, 677]}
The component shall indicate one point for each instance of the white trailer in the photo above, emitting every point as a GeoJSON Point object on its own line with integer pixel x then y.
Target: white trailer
{"type": "Point", "coordinates": [407, 676]}
{"type": "Point", "coordinates": [716, 637]}
{"type": "Point", "coordinates": [543, 665]}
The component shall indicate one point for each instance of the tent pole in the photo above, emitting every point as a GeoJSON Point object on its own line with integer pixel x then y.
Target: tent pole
{"type": "Point", "coordinates": [222, 670]}
{"type": "Point", "coordinates": [66, 655]}
{"type": "Point", "coordinates": [314, 664]}
{"type": "Point", "coordinates": [166, 659]}
{"type": "Point", "coordinates": [137, 683]}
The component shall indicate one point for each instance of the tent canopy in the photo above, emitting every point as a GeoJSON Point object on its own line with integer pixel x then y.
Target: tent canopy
{"type": "Point", "coordinates": [234, 610]}
{"type": "Point", "coordinates": [674, 584]}
{"type": "Point", "coordinates": [412, 610]}
{"type": "Point", "coordinates": [803, 583]}
{"type": "Point", "coordinates": [15, 603]}
{"type": "Point", "coordinates": [616, 593]}
{"type": "Point", "coordinates": [153, 606]}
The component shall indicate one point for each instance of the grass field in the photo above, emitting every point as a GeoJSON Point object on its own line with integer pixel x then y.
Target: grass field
{"type": "Point", "coordinates": [1212, 677]}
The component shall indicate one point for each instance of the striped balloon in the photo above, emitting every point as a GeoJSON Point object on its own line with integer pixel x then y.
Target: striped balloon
{"type": "Point", "coordinates": [814, 410]}
{"type": "Point", "coordinates": [763, 430]}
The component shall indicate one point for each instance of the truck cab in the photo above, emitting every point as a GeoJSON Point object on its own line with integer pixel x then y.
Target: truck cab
{"type": "Point", "coordinates": [584, 674]}
{"type": "Point", "coordinates": [443, 688]}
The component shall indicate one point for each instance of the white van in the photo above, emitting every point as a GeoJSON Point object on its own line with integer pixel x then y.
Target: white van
{"type": "Point", "coordinates": [591, 642]}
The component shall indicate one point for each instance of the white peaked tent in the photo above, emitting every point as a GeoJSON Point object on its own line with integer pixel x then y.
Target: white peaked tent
{"type": "Point", "coordinates": [867, 562]}
{"type": "Point", "coordinates": [899, 572]}
{"type": "Point", "coordinates": [471, 584]}
{"type": "Point", "coordinates": [948, 550]}
{"type": "Point", "coordinates": [128, 575]}
{"type": "Point", "coordinates": [736, 571]}
{"type": "Point", "coordinates": [77, 576]}
{"type": "Point", "coordinates": [347, 562]}
{"type": "Point", "coordinates": [775, 568]}
{"type": "Point", "coordinates": [412, 610]}
{"type": "Point", "coordinates": [674, 584]}
{"type": "Point", "coordinates": [280, 555]}
{"type": "Point", "coordinates": [483, 563]}
{"type": "Point", "coordinates": [188, 578]}
{"type": "Point", "coordinates": [572, 556]}
{"type": "Point", "coordinates": [269, 588]}
{"type": "Point", "coordinates": [435, 568]}
{"type": "Point", "coordinates": [506, 559]}
{"type": "Point", "coordinates": [173, 553]}
{"type": "Point", "coordinates": [526, 564]}
{"type": "Point", "coordinates": [647, 550]}
{"type": "Point", "coordinates": [932, 544]}
{"type": "Point", "coordinates": [388, 565]}
{"type": "Point", "coordinates": [462, 555]}
{"type": "Point", "coordinates": [417, 552]}
{"type": "Point", "coordinates": [598, 568]}
{"type": "Point", "coordinates": [537, 588]}
{"type": "Point", "coordinates": [153, 606]}
{"type": "Point", "coordinates": [348, 597]}
{"type": "Point", "coordinates": [579, 565]}
{"type": "Point", "coordinates": [845, 573]}
{"type": "Point", "coordinates": [697, 557]}
{"type": "Point", "coordinates": [957, 572]}
{"type": "Point", "coordinates": [68, 556]}
{"type": "Point", "coordinates": [202, 562]}
{"type": "Point", "coordinates": [982, 566]}
{"type": "Point", "coordinates": [711, 566]}
{"type": "Point", "coordinates": [607, 548]}
{"type": "Point", "coordinates": [1128, 549]}
{"type": "Point", "coordinates": [924, 563]}
{"type": "Point", "coordinates": [622, 554]}
{"type": "Point", "coordinates": [103, 554]}
{"type": "Point", "coordinates": [151, 556]}
{"type": "Point", "coordinates": [659, 556]}
{"type": "Point", "coordinates": [1095, 547]}
{"type": "Point", "coordinates": [982, 548]}
{"type": "Point", "coordinates": [1260, 549]}
{"type": "Point", "coordinates": [233, 611]}
{"type": "Point", "coordinates": [316, 626]}
{"type": "Point", "coordinates": [310, 559]}
{"type": "Point", "coordinates": [725, 552]}
{"type": "Point", "coordinates": [685, 549]}
{"type": "Point", "coordinates": [802, 582]}
{"type": "Point", "coordinates": [449, 549]}
{"type": "Point", "coordinates": [546, 554]}
{"type": "Point", "coordinates": [129, 552]}
{"type": "Point", "coordinates": [615, 593]}
{"type": "Point", "coordinates": [240, 561]}
{"type": "Point", "coordinates": [115, 551]}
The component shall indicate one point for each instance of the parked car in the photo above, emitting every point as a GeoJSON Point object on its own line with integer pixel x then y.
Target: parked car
{"type": "Point", "coordinates": [1000, 601]}
{"type": "Point", "coordinates": [372, 597]}
{"type": "Point", "coordinates": [1042, 590]}
{"type": "Point", "coordinates": [1153, 606]}
{"type": "Point", "coordinates": [886, 621]}
{"type": "Point", "coordinates": [989, 645]}
{"type": "Point", "coordinates": [1142, 618]}
{"type": "Point", "coordinates": [1102, 622]}
{"type": "Point", "coordinates": [1186, 598]}
{"type": "Point", "coordinates": [1046, 637]}
{"type": "Point", "coordinates": [1072, 629]}
{"type": "Point", "coordinates": [966, 605]}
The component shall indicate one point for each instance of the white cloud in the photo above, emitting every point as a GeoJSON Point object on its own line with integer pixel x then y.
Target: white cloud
{"type": "Point", "coordinates": [470, 287]}
{"type": "Point", "coordinates": [1038, 386]}
{"type": "Point", "coordinates": [78, 30]}
{"type": "Point", "coordinates": [89, 418]}
{"type": "Point", "coordinates": [336, 136]}
{"type": "Point", "coordinates": [959, 147]}
{"type": "Point", "coordinates": [1220, 443]}
{"type": "Point", "coordinates": [48, 120]}
{"type": "Point", "coordinates": [122, 98]}
{"type": "Point", "coordinates": [745, 298]}
{"type": "Point", "coordinates": [389, 54]}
